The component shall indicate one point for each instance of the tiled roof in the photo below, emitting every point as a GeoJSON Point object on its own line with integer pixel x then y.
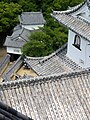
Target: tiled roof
{"type": "Point", "coordinates": [8, 113]}
{"type": "Point", "coordinates": [18, 38]}
{"type": "Point", "coordinates": [4, 62]}
{"type": "Point", "coordinates": [55, 97]}
{"type": "Point", "coordinates": [31, 18]}
{"type": "Point", "coordinates": [10, 71]}
{"type": "Point", "coordinates": [75, 24]}
{"type": "Point", "coordinates": [57, 62]}
{"type": "Point", "coordinates": [20, 34]}
{"type": "Point", "coordinates": [17, 27]}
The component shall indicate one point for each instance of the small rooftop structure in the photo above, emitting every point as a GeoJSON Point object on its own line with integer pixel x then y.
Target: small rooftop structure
{"type": "Point", "coordinates": [31, 18]}
{"type": "Point", "coordinates": [18, 38]}
{"type": "Point", "coordinates": [29, 22]}
{"type": "Point", "coordinates": [15, 42]}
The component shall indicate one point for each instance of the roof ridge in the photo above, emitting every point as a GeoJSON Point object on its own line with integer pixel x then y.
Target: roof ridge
{"type": "Point", "coordinates": [20, 35]}
{"type": "Point", "coordinates": [41, 79]}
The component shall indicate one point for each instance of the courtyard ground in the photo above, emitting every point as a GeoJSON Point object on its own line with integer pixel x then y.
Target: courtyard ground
{"type": "Point", "coordinates": [2, 53]}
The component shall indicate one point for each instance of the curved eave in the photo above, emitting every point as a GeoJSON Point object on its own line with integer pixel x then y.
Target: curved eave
{"type": "Point", "coordinates": [78, 26]}
{"type": "Point", "coordinates": [71, 10]}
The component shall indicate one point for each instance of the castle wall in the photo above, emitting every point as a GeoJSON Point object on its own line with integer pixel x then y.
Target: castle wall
{"type": "Point", "coordinates": [14, 50]}
{"type": "Point", "coordinates": [32, 27]}
{"type": "Point", "coordinates": [81, 57]}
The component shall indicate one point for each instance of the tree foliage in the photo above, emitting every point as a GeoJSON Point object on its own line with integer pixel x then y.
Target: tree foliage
{"type": "Point", "coordinates": [44, 42]}
{"type": "Point", "coordinates": [53, 33]}
{"type": "Point", "coordinates": [8, 18]}
{"type": "Point", "coordinates": [39, 44]}
{"type": "Point", "coordinates": [8, 15]}
{"type": "Point", "coordinates": [27, 6]}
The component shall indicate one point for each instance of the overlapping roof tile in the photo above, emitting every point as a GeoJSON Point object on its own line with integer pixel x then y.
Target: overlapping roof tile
{"type": "Point", "coordinates": [75, 24]}
{"type": "Point", "coordinates": [18, 38]}
{"type": "Point", "coordinates": [56, 62]}
{"type": "Point", "coordinates": [32, 18]}
{"type": "Point", "coordinates": [52, 97]}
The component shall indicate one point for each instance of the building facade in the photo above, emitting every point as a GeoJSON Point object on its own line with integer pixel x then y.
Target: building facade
{"type": "Point", "coordinates": [77, 20]}
{"type": "Point", "coordinates": [29, 22]}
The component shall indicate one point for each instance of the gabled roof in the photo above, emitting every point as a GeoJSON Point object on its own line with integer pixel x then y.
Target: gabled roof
{"type": "Point", "coordinates": [75, 24]}
{"type": "Point", "coordinates": [8, 113]}
{"type": "Point", "coordinates": [18, 38]}
{"type": "Point", "coordinates": [55, 97]}
{"type": "Point", "coordinates": [31, 18]}
{"type": "Point", "coordinates": [20, 34]}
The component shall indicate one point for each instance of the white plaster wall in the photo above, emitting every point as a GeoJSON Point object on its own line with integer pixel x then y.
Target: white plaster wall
{"type": "Point", "coordinates": [83, 13]}
{"type": "Point", "coordinates": [14, 50]}
{"type": "Point", "coordinates": [87, 55]}
{"type": "Point", "coordinates": [81, 10]}
{"type": "Point", "coordinates": [82, 57]}
{"type": "Point", "coordinates": [32, 27]}
{"type": "Point", "coordinates": [75, 54]}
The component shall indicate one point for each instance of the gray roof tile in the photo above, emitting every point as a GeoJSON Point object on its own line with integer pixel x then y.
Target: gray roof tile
{"type": "Point", "coordinates": [56, 62]}
{"type": "Point", "coordinates": [75, 24]}
{"type": "Point", "coordinates": [55, 97]}
{"type": "Point", "coordinates": [17, 27]}
{"type": "Point", "coordinates": [18, 38]}
{"type": "Point", "coordinates": [31, 18]}
{"type": "Point", "coordinates": [20, 35]}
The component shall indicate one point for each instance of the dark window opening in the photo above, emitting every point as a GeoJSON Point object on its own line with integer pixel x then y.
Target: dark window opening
{"type": "Point", "coordinates": [77, 42]}
{"type": "Point", "coordinates": [14, 57]}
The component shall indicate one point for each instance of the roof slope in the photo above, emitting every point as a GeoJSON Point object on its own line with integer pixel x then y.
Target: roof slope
{"type": "Point", "coordinates": [56, 62]}
{"type": "Point", "coordinates": [56, 97]}
{"type": "Point", "coordinates": [75, 24]}
{"type": "Point", "coordinates": [18, 38]}
{"type": "Point", "coordinates": [8, 113]}
{"type": "Point", "coordinates": [31, 18]}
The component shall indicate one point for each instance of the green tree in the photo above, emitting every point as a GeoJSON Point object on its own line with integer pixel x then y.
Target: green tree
{"type": "Point", "coordinates": [63, 4]}
{"type": "Point", "coordinates": [8, 18]}
{"type": "Point", "coordinates": [75, 2]}
{"type": "Point", "coordinates": [27, 5]}
{"type": "Point", "coordinates": [9, 10]}
{"type": "Point", "coordinates": [8, 15]}
{"type": "Point", "coordinates": [39, 44]}
{"type": "Point", "coordinates": [57, 35]}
